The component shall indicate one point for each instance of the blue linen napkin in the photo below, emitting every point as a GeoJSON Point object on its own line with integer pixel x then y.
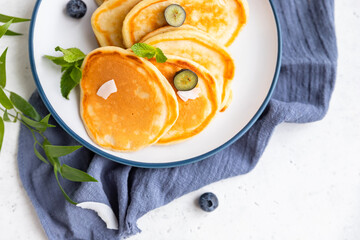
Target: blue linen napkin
{"type": "Point", "coordinates": [302, 95]}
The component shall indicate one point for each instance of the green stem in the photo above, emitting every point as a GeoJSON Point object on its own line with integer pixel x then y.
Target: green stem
{"type": "Point", "coordinates": [62, 190]}
{"type": "Point", "coordinates": [12, 115]}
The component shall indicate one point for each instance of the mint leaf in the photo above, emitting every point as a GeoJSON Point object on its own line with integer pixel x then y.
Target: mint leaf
{"type": "Point", "coordinates": [66, 83]}
{"type": "Point", "coordinates": [71, 54]}
{"type": "Point", "coordinates": [75, 175]}
{"type": "Point", "coordinates": [4, 100]}
{"type": "Point", "coordinates": [59, 61]}
{"type": "Point", "coordinates": [76, 74]}
{"type": "Point", "coordinates": [2, 131]}
{"type": "Point", "coordinates": [59, 151]}
{"type": "Point", "coordinates": [25, 107]}
{"type": "Point", "coordinates": [160, 56]}
{"type": "Point", "coordinates": [3, 68]}
{"type": "Point", "coordinates": [143, 50]}
{"type": "Point", "coordinates": [147, 51]}
{"type": "Point", "coordinates": [5, 18]}
{"type": "Point", "coordinates": [70, 64]}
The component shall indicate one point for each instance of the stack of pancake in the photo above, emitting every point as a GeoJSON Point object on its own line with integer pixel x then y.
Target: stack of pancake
{"type": "Point", "coordinates": [146, 108]}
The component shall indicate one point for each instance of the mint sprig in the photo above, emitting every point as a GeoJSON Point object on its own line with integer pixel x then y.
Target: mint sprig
{"type": "Point", "coordinates": [70, 63]}
{"type": "Point", "coordinates": [15, 108]}
{"type": "Point", "coordinates": [147, 51]}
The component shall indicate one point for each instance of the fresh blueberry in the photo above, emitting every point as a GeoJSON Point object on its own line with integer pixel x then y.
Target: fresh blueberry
{"type": "Point", "coordinates": [208, 202]}
{"type": "Point", "coordinates": [76, 8]}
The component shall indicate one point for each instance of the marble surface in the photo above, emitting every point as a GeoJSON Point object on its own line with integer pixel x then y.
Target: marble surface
{"type": "Point", "coordinates": [306, 185]}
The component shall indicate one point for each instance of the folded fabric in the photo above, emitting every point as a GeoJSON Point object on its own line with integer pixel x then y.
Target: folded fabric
{"type": "Point", "coordinates": [302, 95]}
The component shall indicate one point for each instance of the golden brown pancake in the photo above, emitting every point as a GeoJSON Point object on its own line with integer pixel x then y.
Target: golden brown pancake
{"type": "Point", "coordinates": [167, 29]}
{"type": "Point", "coordinates": [107, 21]}
{"type": "Point", "coordinates": [221, 19]}
{"type": "Point", "coordinates": [200, 48]}
{"type": "Point", "coordinates": [194, 114]}
{"type": "Point", "coordinates": [142, 110]}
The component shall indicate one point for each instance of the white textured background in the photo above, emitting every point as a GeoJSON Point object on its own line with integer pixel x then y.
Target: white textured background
{"type": "Point", "coordinates": [306, 185]}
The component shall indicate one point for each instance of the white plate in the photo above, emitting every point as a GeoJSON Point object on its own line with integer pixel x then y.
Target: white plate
{"type": "Point", "coordinates": [256, 51]}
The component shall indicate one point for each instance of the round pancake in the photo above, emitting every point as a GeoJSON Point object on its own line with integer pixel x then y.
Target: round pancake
{"type": "Point", "coordinates": [167, 29]}
{"type": "Point", "coordinates": [194, 114]}
{"type": "Point", "coordinates": [142, 110]}
{"type": "Point", "coordinates": [107, 21]}
{"type": "Point", "coordinates": [200, 48]}
{"type": "Point", "coordinates": [221, 19]}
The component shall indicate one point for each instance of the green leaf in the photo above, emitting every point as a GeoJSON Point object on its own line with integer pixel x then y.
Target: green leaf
{"type": "Point", "coordinates": [4, 100]}
{"type": "Point", "coordinates": [147, 51]}
{"type": "Point", "coordinates": [5, 18]}
{"type": "Point", "coordinates": [71, 54]}
{"type": "Point", "coordinates": [70, 64]}
{"type": "Point", "coordinates": [63, 69]}
{"type": "Point", "coordinates": [62, 190]}
{"type": "Point", "coordinates": [53, 161]}
{"type": "Point", "coordinates": [76, 74]}
{"type": "Point", "coordinates": [41, 126]}
{"type": "Point", "coordinates": [143, 50]}
{"type": "Point", "coordinates": [46, 119]}
{"type": "Point", "coordinates": [3, 68]}
{"type": "Point", "coordinates": [79, 63]}
{"type": "Point", "coordinates": [45, 143]}
{"type": "Point", "coordinates": [66, 83]}
{"type": "Point", "coordinates": [2, 131]}
{"type": "Point", "coordinates": [59, 151]}
{"type": "Point", "coordinates": [160, 56]}
{"type": "Point", "coordinates": [24, 106]}
{"type": "Point", "coordinates": [59, 61]}
{"type": "Point", "coordinates": [6, 116]}
{"type": "Point", "coordinates": [12, 33]}
{"type": "Point", "coordinates": [75, 175]}
{"type": "Point", "coordinates": [5, 27]}
{"type": "Point", "coordinates": [39, 156]}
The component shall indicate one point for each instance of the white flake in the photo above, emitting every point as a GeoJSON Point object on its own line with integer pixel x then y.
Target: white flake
{"type": "Point", "coordinates": [107, 89]}
{"type": "Point", "coordinates": [192, 94]}
{"type": "Point", "coordinates": [104, 212]}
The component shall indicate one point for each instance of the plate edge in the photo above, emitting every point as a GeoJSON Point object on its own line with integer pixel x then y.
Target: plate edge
{"type": "Point", "coordinates": [142, 164]}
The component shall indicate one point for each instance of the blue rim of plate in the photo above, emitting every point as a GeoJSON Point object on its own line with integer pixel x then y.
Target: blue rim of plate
{"type": "Point", "coordinates": [141, 164]}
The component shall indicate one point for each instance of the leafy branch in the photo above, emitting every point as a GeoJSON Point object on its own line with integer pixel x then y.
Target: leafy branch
{"type": "Point", "coordinates": [15, 108]}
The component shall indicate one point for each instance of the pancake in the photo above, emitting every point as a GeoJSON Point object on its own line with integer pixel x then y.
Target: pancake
{"type": "Point", "coordinates": [142, 110]}
{"type": "Point", "coordinates": [194, 114]}
{"type": "Point", "coordinates": [107, 21]}
{"type": "Point", "coordinates": [167, 29]}
{"type": "Point", "coordinates": [221, 19]}
{"type": "Point", "coordinates": [200, 48]}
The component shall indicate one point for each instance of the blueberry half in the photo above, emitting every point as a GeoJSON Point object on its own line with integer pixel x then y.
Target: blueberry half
{"type": "Point", "coordinates": [76, 8]}
{"type": "Point", "coordinates": [208, 202]}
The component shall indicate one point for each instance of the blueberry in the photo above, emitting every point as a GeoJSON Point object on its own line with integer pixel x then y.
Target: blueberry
{"type": "Point", "coordinates": [76, 8]}
{"type": "Point", "coordinates": [208, 202]}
